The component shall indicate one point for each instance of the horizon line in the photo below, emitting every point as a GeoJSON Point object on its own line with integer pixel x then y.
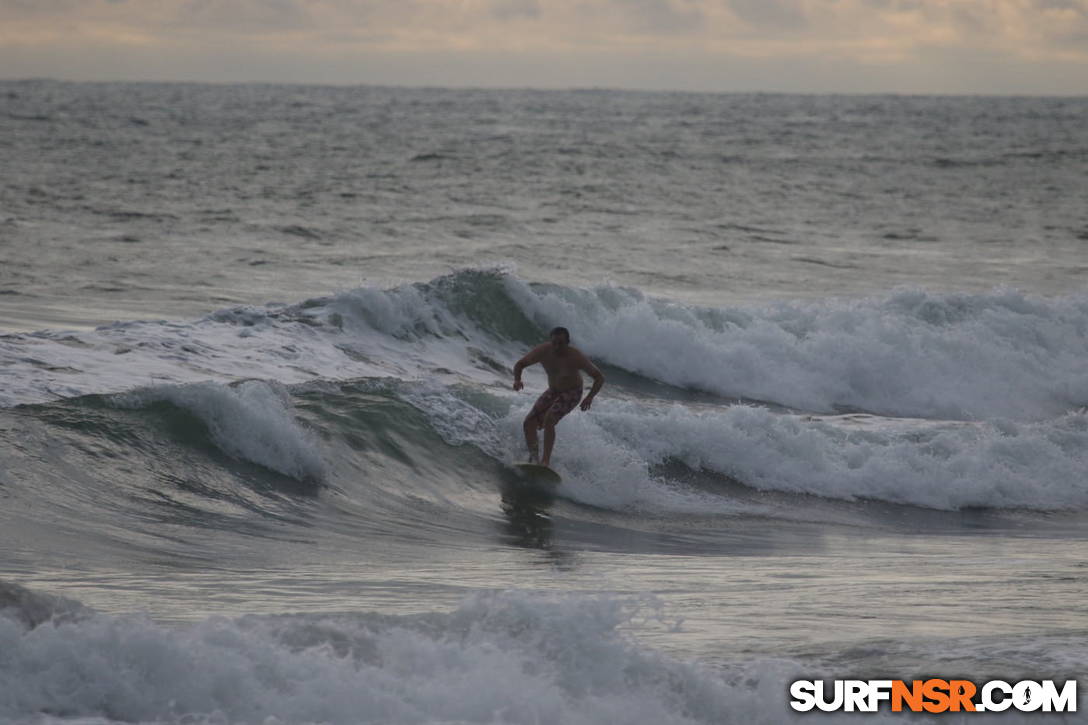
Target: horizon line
{"type": "Point", "coordinates": [540, 89]}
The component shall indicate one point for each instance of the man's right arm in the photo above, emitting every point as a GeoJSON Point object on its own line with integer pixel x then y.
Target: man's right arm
{"type": "Point", "coordinates": [531, 358]}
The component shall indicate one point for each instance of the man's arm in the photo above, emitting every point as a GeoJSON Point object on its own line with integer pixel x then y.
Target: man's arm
{"type": "Point", "coordinates": [598, 381]}
{"type": "Point", "coordinates": [531, 358]}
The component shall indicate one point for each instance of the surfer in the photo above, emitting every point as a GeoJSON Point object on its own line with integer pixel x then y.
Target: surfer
{"type": "Point", "coordinates": [563, 363]}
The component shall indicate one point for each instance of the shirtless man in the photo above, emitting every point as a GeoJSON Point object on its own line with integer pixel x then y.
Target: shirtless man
{"type": "Point", "coordinates": [563, 364]}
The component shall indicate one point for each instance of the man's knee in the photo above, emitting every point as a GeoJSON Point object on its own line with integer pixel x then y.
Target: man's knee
{"type": "Point", "coordinates": [550, 421]}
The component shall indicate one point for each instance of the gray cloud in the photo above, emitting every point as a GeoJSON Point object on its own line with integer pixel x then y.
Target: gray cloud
{"type": "Point", "coordinates": [1080, 6]}
{"type": "Point", "coordinates": [780, 14]}
{"type": "Point", "coordinates": [661, 16]}
{"type": "Point", "coordinates": [896, 5]}
{"type": "Point", "coordinates": [244, 15]}
{"type": "Point", "coordinates": [16, 8]}
{"type": "Point", "coordinates": [512, 9]}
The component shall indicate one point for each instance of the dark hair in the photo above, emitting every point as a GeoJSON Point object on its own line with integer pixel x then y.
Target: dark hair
{"type": "Point", "coordinates": [560, 331]}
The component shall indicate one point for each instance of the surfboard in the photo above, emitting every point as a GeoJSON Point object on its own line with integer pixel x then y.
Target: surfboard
{"type": "Point", "coordinates": [538, 473]}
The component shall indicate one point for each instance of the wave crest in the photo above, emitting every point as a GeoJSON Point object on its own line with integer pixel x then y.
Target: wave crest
{"type": "Point", "coordinates": [252, 420]}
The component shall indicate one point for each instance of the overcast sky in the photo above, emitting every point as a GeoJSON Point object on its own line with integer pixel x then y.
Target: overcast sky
{"type": "Point", "coordinates": [899, 46]}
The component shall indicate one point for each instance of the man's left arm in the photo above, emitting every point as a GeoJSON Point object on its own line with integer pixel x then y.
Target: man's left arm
{"type": "Point", "coordinates": [598, 381]}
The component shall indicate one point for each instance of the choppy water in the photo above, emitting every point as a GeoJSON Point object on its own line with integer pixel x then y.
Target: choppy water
{"type": "Point", "coordinates": [257, 415]}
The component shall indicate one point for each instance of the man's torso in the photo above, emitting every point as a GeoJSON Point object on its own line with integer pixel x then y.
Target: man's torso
{"type": "Point", "coordinates": [563, 370]}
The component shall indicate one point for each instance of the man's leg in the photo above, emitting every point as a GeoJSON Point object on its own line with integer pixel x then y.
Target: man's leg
{"type": "Point", "coordinates": [530, 426]}
{"type": "Point", "coordinates": [549, 439]}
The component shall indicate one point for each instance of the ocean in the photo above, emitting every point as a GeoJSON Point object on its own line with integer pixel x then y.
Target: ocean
{"type": "Point", "coordinates": [257, 423]}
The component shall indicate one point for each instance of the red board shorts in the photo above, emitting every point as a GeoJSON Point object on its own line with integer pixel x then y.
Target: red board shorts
{"type": "Point", "coordinates": [556, 402]}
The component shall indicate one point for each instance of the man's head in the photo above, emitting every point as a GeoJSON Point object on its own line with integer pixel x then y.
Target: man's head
{"type": "Point", "coordinates": [560, 337]}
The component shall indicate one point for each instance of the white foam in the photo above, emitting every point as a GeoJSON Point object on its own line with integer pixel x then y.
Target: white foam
{"type": "Point", "coordinates": [941, 465]}
{"type": "Point", "coordinates": [607, 456]}
{"type": "Point", "coordinates": [603, 469]}
{"type": "Point", "coordinates": [598, 469]}
{"type": "Point", "coordinates": [914, 353]}
{"type": "Point", "coordinates": [510, 657]}
{"type": "Point", "coordinates": [515, 657]}
{"type": "Point", "coordinates": [253, 421]}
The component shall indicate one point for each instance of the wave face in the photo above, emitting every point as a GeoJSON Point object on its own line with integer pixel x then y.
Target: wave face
{"type": "Point", "coordinates": [227, 475]}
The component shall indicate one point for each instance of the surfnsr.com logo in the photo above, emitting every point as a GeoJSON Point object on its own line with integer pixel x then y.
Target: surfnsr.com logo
{"type": "Point", "coordinates": [933, 695]}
